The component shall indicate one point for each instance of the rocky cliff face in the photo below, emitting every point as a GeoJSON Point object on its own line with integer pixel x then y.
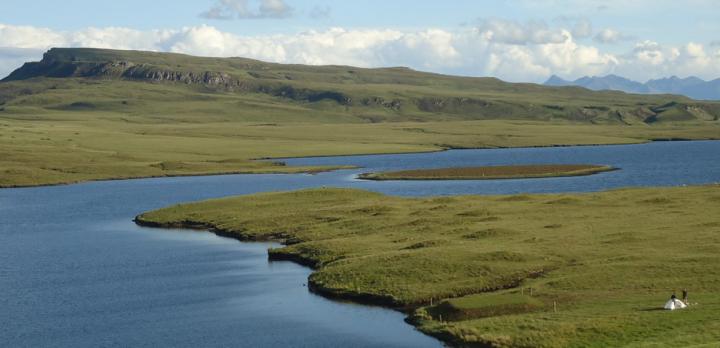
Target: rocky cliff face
{"type": "Point", "coordinates": [51, 66]}
{"type": "Point", "coordinates": [212, 79]}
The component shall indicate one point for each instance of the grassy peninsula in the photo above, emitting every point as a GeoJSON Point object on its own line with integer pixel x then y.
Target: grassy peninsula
{"type": "Point", "coordinates": [491, 172]}
{"type": "Point", "coordinates": [600, 265]}
{"type": "Point", "coordinates": [88, 114]}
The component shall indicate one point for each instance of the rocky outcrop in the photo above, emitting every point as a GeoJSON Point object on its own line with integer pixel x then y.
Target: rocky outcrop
{"type": "Point", "coordinates": [309, 95]}
{"type": "Point", "coordinates": [394, 104]}
{"type": "Point", "coordinates": [51, 66]}
{"type": "Point", "coordinates": [433, 104]}
{"type": "Point", "coordinates": [217, 80]}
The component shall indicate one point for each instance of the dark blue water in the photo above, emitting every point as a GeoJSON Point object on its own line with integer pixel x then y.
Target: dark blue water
{"type": "Point", "coordinates": [652, 164]}
{"type": "Point", "coordinates": [75, 271]}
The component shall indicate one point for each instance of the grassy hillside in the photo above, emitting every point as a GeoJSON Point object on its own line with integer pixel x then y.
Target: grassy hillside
{"type": "Point", "coordinates": [330, 93]}
{"type": "Point", "coordinates": [606, 271]}
{"type": "Point", "coordinates": [84, 114]}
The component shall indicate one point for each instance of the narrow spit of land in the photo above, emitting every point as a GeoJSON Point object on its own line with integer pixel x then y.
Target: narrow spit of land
{"type": "Point", "coordinates": [600, 265]}
{"type": "Point", "coordinates": [491, 172]}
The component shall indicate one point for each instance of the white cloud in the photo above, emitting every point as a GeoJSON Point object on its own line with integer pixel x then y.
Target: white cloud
{"type": "Point", "coordinates": [27, 36]}
{"type": "Point", "coordinates": [503, 49]}
{"type": "Point", "coordinates": [514, 33]}
{"type": "Point", "coordinates": [610, 36]}
{"type": "Point", "coordinates": [405, 49]}
{"type": "Point", "coordinates": [649, 52]}
{"type": "Point", "coordinates": [248, 9]}
{"type": "Point", "coordinates": [649, 60]}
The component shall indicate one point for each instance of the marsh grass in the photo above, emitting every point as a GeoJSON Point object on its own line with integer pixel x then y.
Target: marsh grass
{"type": "Point", "coordinates": [482, 306]}
{"type": "Point", "coordinates": [52, 148]}
{"type": "Point", "coordinates": [607, 260]}
{"type": "Point", "coordinates": [491, 172]}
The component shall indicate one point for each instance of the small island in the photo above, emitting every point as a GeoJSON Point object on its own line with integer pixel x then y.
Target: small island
{"type": "Point", "coordinates": [491, 172]}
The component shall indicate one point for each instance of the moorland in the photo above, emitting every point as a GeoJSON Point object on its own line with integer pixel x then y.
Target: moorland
{"type": "Point", "coordinates": [600, 265]}
{"type": "Point", "coordinates": [90, 114]}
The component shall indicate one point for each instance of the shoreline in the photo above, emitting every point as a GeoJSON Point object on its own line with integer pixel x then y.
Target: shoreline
{"type": "Point", "coordinates": [343, 297]}
{"type": "Point", "coordinates": [345, 294]}
{"type": "Point", "coordinates": [406, 175]}
{"type": "Point", "coordinates": [241, 172]}
{"type": "Point", "coordinates": [448, 148]}
{"type": "Point", "coordinates": [357, 298]}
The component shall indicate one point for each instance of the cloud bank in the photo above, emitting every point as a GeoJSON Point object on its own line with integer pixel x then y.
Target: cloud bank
{"type": "Point", "coordinates": [508, 50]}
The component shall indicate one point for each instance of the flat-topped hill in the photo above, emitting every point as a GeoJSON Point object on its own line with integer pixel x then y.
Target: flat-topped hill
{"type": "Point", "coordinates": [338, 92]}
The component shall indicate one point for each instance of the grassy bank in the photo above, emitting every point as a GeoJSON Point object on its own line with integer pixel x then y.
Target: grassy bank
{"type": "Point", "coordinates": [607, 261]}
{"type": "Point", "coordinates": [491, 172]}
{"type": "Point", "coordinates": [52, 148]}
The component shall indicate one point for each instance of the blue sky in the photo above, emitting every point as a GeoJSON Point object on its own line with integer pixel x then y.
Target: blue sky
{"type": "Point", "coordinates": [518, 40]}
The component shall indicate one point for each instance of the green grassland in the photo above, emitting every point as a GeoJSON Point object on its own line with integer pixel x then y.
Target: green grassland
{"type": "Point", "coordinates": [483, 306]}
{"type": "Point", "coordinates": [63, 148]}
{"type": "Point", "coordinates": [88, 114]}
{"type": "Point", "coordinates": [609, 260]}
{"type": "Point", "coordinates": [491, 172]}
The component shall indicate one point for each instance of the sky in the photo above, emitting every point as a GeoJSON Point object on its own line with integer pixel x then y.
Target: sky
{"type": "Point", "coordinates": [515, 40]}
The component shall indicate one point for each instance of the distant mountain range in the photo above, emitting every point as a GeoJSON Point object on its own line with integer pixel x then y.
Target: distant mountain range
{"type": "Point", "coordinates": [692, 87]}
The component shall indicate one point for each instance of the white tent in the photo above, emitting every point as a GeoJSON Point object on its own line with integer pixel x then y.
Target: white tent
{"type": "Point", "coordinates": [674, 304]}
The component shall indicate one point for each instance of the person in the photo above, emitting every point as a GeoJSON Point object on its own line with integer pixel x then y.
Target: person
{"type": "Point", "coordinates": [673, 297]}
{"type": "Point", "coordinates": [685, 296]}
